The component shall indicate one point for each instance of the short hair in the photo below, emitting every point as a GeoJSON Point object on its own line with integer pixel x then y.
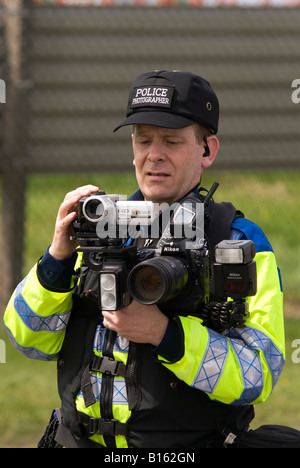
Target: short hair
{"type": "Point", "coordinates": [201, 132]}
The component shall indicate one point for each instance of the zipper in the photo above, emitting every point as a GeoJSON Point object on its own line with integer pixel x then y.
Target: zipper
{"type": "Point", "coordinates": [133, 386]}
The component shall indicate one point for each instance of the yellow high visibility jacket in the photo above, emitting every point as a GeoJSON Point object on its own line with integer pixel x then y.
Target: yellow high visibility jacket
{"type": "Point", "coordinates": [237, 367]}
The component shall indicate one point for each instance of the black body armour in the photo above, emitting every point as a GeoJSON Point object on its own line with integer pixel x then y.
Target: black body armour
{"type": "Point", "coordinates": [165, 412]}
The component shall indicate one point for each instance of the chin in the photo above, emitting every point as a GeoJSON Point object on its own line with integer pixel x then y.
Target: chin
{"type": "Point", "coordinates": [158, 194]}
{"type": "Point", "coordinates": [156, 198]}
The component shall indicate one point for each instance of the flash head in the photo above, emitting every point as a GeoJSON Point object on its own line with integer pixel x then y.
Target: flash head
{"type": "Point", "coordinates": [235, 251]}
{"type": "Point", "coordinates": [235, 269]}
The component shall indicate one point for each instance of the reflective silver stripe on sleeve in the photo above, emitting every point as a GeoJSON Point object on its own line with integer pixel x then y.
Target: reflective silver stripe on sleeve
{"type": "Point", "coordinates": [245, 342]}
{"type": "Point", "coordinates": [213, 362]}
{"type": "Point", "coordinates": [31, 353]}
{"type": "Point", "coordinates": [53, 323]}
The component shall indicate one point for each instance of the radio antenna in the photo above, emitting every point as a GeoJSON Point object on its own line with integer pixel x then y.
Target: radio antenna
{"type": "Point", "coordinates": [211, 192]}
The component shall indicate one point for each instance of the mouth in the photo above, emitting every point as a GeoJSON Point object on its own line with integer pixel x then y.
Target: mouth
{"type": "Point", "coordinates": [159, 175]}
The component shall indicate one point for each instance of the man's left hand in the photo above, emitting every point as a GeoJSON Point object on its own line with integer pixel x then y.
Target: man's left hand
{"type": "Point", "coordinates": [137, 322]}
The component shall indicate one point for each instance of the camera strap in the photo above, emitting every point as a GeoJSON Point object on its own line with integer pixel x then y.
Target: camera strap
{"type": "Point", "coordinates": [190, 213]}
{"type": "Point", "coordinates": [212, 222]}
{"type": "Point", "coordinates": [219, 219]}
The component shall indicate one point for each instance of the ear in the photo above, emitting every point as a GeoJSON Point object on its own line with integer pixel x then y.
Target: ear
{"type": "Point", "coordinates": [213, 146]}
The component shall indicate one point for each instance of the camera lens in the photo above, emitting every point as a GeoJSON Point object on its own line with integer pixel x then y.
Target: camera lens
{"type": "Point", "coordinates": [93, 208]}
{"type": "Point", "coordinates": [157, 280]}
{"type": "Point", "coordinates": [147, 283]}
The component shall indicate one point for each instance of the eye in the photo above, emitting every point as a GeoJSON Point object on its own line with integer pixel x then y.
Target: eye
{"type": "Point", "coordinates": [143, 142]}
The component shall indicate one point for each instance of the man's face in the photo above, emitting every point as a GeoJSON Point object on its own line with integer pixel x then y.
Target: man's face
{"type": "Point", "coordinates": [168, 162]}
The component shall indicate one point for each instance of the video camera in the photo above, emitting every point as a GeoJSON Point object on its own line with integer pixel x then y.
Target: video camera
{"type": "Point", "coordinates": [102, 216]}
{"type": "Point", "coordinates": [176, 273]}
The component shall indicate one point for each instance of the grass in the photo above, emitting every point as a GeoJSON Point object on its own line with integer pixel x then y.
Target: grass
{"type": "Point", "coordinates": [270, 198]}
{"type": "Point", "coordinates": [283, 405]}
{"type": "Point", "coordinates": [28, 394]}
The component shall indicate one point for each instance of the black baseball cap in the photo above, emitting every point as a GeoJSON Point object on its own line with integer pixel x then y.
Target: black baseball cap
{"type": "Point", "coordinates": [172, 99]}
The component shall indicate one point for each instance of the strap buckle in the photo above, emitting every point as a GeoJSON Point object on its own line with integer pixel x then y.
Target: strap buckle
{"type": "Point", "coordinates": [102, 426]}
{"type": "Point", "coordinates": [104, 364]}
{"type": "Point", "coordinates": [229, 439]}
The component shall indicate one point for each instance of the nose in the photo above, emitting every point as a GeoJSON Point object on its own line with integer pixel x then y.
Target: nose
{"type": "Point", "coordinates": [156, 153]}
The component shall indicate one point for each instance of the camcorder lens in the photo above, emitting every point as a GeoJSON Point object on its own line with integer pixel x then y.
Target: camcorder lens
{"type": "Point", "coordinates": [157, 280]}
{"type": "Point", "coordinates": [93, 209]}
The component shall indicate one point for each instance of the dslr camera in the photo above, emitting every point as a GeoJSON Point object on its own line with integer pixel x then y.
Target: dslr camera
{"type": "Point", "coordinates": [174, 272]}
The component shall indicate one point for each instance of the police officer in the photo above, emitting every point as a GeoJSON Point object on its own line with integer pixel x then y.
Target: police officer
{"type": "Point", "coordinates": [151, 380]}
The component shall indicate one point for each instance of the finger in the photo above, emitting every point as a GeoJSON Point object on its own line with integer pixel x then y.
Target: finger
{"type": "Point", "coordinates": [65, 222]}
{"type": "Point", "coordinates": [108, 323]}
{"type": "Point", "coordinates": [108, 317]}
{"type": "Point", "coordinates": [69, 205]}
{"type": "Point", "coordinates": [83, 191]}
{"type": "Point", "coordinates": [71, 200]}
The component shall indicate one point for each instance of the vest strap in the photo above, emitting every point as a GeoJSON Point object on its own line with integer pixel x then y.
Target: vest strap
{"type": "Point", "coordinates": [105, 365]}
{"type": "Point", "coordinates": [101, 426]}
{"type": "Point", "coordinates": [86, 387]}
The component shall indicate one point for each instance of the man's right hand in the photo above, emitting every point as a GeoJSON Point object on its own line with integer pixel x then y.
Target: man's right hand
{"type": "Point", "coordinates": [62, 246]}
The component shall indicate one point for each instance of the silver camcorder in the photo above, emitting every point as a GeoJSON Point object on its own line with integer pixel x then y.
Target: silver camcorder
{"type": "Point", "coordinates": [100, 209]}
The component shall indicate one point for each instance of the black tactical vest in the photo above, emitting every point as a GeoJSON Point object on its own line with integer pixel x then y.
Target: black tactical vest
{"type": "Point", "coordinates": [165, 412]}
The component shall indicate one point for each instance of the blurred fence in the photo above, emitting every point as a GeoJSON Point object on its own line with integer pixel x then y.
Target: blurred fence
{"type": "Point", "coordinates": [68, 70]}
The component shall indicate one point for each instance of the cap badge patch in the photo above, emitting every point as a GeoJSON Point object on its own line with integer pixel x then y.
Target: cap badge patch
{"type": "Point", "coordinates": [152, 96]}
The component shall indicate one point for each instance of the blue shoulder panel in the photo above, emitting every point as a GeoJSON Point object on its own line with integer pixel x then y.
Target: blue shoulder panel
{"type": "Point", "coordinates": [252, 232]}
